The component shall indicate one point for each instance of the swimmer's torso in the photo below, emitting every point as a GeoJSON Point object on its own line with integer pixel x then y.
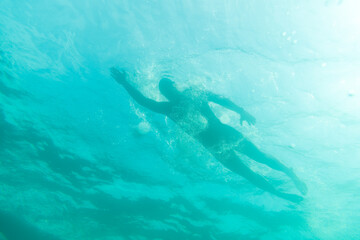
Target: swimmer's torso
{"type": "Point", "coordinates": [188, 113]}
{"type": "Point", "coordinates": [193, 114]}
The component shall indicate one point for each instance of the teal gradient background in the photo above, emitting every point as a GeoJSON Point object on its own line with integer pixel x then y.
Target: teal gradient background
{"type": "Point", "coordinates": [79, 159]}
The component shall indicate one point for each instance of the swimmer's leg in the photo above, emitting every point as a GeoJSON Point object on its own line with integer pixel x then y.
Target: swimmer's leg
{"type": "Point", "coordinates": [249, 149]}
{"type": "Point", "coordinates": [231, 161]}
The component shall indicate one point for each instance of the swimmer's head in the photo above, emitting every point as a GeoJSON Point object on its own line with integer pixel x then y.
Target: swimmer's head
{"type": "Point", "coordinates": [168, 89]}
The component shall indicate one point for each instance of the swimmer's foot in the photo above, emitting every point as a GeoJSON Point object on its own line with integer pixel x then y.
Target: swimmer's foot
{"type": "Point", "coordinates": [300, 185]}
{"type": "Point", "coordinates": [291, 197]}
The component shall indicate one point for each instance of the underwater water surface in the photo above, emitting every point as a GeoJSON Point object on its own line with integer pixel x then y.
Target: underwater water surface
{"type": "Point", "coordinates": [80, 159]}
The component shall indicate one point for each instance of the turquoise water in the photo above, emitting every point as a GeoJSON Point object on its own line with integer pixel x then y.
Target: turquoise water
{"type": "Point", "coordinates": [80, 159]}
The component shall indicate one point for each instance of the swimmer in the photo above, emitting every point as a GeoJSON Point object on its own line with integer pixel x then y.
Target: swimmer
{"type": "Point", "coordinates": [191, 111]}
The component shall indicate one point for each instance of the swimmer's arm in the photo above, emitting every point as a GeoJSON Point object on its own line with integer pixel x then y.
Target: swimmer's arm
{"type": "Point", "coordinates": [120, 77]}
{"type": "Point", "coordinates": [245, 116]}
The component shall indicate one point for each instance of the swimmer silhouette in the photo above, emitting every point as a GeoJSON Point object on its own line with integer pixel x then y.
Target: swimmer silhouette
{"type": "Point", "coordinates": [190, 110]}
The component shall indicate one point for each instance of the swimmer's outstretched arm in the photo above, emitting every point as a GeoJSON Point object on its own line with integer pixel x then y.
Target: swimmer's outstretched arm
{"type": "Point", "coordinates": [121, 78]}
{"type": "Point", "coordinates": [245, 116]}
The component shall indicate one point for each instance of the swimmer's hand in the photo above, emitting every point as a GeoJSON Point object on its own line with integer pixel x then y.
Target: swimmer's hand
{"type": "Point", "coordinates": [119, 76]}
{"type": "Point", "coordinates": [245, 116]}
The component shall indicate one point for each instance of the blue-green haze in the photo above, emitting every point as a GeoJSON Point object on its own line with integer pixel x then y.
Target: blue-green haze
{"type": "Point", "coordinates": [80, 159]}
